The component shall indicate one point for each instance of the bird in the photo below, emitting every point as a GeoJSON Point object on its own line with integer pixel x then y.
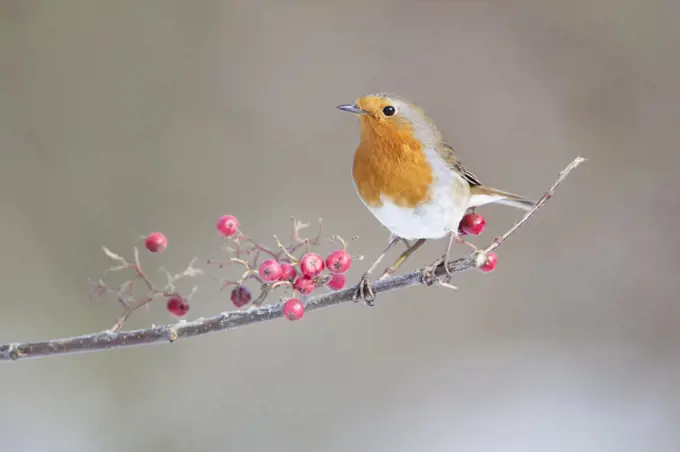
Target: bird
{"type": "Point", "coordinates": [413, 181]}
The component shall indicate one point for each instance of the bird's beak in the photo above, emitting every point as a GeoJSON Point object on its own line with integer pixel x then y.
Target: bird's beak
{"type": "Point", "coordinates": [352, 108]}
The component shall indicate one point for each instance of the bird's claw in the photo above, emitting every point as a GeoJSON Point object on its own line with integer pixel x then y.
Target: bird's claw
{"type": "Point", "coordinates": [428, 277]}
{"type": "Point", "coordinates": [429, 271]}
{"type": "Point", "coordinates": [365, 292]}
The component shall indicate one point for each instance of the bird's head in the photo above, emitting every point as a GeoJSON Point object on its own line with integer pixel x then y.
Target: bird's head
{"type": "Point", "coordinates": [392, 117]}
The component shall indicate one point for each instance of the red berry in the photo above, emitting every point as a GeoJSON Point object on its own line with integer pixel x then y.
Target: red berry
{"type": "Point", "coordinates": [270, 270]}
{"type": "Point", "coordinates": [227, 225]}
{"type": "Point", "coordinates": [490, 264]}
{"type": "Point", "coordinates": [177, 307]}
{"type": "Point", "coordinates": [240, 296]}
{"type": "Point", "coordinates": [293, 309]}
{"type": "Point", "coordinates": [338, 261]}
{"type": "Point", "coordinates": [156, 242]}
{"type": "Point", "coordinates": [288, 272]}
{"type": "Point", "coordinates": [311, 264]}
{"type": "Point", "coordinates": [472, 223]}
{"type": "Point", "coordinates": [304, 285]}
{"type": "Point", "coordinates": [338, 281]}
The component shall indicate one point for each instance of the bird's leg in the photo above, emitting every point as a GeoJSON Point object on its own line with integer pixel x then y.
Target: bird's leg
{"type": "Point", "coordinates": [364, 290]}
{"type": "Point", "coordinates": [410, 249]}
{"type": "Point", "coordinates": [428, 272]}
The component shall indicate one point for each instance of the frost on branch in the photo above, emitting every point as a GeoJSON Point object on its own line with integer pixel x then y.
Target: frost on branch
{"type": "Point", "coordinates": [294, 270]}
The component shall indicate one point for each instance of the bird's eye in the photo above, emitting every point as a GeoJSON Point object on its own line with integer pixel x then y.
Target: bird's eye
{"type": "Point", "coordinates": [389, 110]}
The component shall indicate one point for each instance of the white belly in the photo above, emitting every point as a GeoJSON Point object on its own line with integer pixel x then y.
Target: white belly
{"type": "Point", "coordinates": [449, 197]}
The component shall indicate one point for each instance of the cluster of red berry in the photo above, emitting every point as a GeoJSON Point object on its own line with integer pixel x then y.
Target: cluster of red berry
{"type": "Point", "coordinates": [304, 275]}
{"type": "Point", "coordinates": [311, 268]}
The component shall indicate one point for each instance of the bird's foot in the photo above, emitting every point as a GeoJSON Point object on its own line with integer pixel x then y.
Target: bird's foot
{"type": "Point", "coordinates": [428, 276]}
{"type": "Point", "coordinates": [429, 271]}
{"type": "Point", "coordinates": [364, 292]}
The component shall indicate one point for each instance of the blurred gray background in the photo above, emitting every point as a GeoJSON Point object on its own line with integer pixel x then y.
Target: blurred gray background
{"type": "Point", "coordinates": [122, 117]}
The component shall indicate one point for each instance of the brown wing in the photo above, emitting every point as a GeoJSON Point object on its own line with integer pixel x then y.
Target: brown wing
{"type": "Point", "coordinates": [447, 153]}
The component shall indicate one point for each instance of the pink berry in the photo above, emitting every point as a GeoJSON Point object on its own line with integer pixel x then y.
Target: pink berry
{"type": "Point", "coordinates": [270, 270]}
{"type": "Point", "coordinates": [177, 307]}
{"type": "Point", "coordinates": [227, 225]}
{"type": "Point", "coordinates": [338, 281]}
{"type": "Point", "coordinates": [240, 296]}
{"type": "Point", "coordinates": [304, 285]}
{"type": "Point", "coordinates": [311, 264]}
{"type": "Point", "coordinates": [293, 309]}
{"type": "Point", "coordinates": [338, 261]}
{"type": "Point", "coordinates": [472, 223]}
{"type": "Point", "coordinates": [490, 264]}
{"type": "Point", "coordinates": [288, 272]}
{"type": "Point", "coordinates": [156, 242]}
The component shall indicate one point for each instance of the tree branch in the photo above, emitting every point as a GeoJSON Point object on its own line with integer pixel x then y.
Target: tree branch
{"type": "Point", "coordinates": [106, 340]}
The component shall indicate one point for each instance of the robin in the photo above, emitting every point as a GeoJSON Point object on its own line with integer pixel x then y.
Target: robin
{"type": "Point", "coordinates": [413, 181]}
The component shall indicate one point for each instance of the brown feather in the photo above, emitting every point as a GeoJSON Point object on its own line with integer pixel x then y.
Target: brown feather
{"type": "Point", "coordinates": [448, 154]}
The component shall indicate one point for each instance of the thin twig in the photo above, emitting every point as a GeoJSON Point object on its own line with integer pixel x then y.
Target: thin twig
{"type": "Point", "coordinates": [541, 202]}
{"type": "Point", "coordinates": [228, 320]}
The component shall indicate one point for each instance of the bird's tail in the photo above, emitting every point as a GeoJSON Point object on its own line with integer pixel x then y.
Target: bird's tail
{"type": "Point", "coordinates": [481, 195]}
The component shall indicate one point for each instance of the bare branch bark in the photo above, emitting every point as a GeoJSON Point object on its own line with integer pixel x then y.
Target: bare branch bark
{"type": "Point", "coordinates": [106, 340]}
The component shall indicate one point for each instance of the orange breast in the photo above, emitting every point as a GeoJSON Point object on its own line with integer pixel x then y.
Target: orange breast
{"type": "Point", "coordinates": [390, 162]}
